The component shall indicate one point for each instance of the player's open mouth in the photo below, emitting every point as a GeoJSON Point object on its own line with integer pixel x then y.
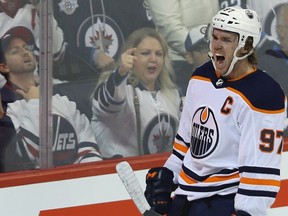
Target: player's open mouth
{"type": "Point", "coordinates": [219, 58]}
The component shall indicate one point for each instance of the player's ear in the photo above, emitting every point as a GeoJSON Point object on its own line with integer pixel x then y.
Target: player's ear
{"type": "Point", "coordinates": [3, 68]}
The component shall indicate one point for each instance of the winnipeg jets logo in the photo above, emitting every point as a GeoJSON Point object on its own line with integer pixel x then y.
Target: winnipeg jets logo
{"type": "Point", "coordinates": [100, 39]}
{"type": "Point", "coordinates": [101, 32]}
{"type": "Point", "coordinates": [65, 141]}
{"type": "Point", "coordinates": [159, 135]}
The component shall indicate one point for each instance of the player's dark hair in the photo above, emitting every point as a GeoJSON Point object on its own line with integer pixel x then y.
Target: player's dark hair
{"type": "Point", "coordinates": [252, 58]}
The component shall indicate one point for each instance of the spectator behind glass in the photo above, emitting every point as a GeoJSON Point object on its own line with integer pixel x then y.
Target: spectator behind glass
{"type": "Point", "coordinates": [274, 55]}
{"type": "Point", "coordinates": [230, 132]}
{"type": "Point", "coordinates": [73, 139]}
{"type": "Point", "coordinates": [26, 13]}
{"type": "Point", "coordinates": [95, 31]}
{"type": "Point", "coordinates": [137, 108]}
{"type": "Point", "coordinates": [197, 49]}
{"type": "Point", "coordinates": [174, 19]}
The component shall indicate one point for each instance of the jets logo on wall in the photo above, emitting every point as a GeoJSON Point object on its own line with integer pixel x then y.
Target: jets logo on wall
{"type": "Point", "coordinates": [102, 33]}
{"type": "Point", "coordinates": [204, 133]}
{"type": "Point", "coordinates": [65, 146]}
{"type": "Point", "coordinates": [159, 135]}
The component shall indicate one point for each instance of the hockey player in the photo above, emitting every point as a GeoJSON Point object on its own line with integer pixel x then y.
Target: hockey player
{"type": "Point", "coordinates": [19, 128]}
{"type": "Point", "coordinates": [227, 152]}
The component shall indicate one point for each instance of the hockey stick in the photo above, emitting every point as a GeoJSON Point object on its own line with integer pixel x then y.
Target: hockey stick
{"type": "Point", "coordinates": [133, 187]}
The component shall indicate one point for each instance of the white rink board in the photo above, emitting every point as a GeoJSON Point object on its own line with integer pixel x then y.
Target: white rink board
{"type": "Point", "coordinates": [28, 200]}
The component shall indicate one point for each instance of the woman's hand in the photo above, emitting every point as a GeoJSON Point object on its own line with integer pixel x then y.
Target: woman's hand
{"type": "Point", "coordinates": [127, 61]}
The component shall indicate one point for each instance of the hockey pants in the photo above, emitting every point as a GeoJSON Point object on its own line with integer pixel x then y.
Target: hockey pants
{"type": "Point", "coordinates": [211, 206]}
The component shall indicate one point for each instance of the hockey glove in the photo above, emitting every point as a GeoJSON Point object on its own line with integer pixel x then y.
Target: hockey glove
{"type": "Point", "coordinates": [159, 184]}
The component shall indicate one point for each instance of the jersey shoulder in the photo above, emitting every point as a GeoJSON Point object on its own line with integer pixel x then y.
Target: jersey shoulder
{"type": "Point", "coordinates": [261, 91]}
{"type": "Point", "coordinates": [258, 89]}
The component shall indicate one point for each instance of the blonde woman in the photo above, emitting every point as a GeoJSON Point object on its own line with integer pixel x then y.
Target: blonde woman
{"type": "Point", "coordinates": [137, 108]}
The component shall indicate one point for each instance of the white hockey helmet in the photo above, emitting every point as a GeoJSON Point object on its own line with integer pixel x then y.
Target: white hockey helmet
{"type": "Point", "coordinates": [244, 22]}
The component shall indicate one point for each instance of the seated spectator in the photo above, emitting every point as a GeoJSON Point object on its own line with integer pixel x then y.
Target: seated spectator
{"type": "Point", "coordinates": [73, 139]}
{"type": "Point", "coordinates": [26, 13]}
{"type": "Point", "coordinates": [136, 109]}
{"type": "Point", "coordinates": [273, 55]}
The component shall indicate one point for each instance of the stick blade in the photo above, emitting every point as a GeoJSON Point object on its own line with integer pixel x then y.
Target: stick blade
{"type": "Point", "coordinates": [127, 176]}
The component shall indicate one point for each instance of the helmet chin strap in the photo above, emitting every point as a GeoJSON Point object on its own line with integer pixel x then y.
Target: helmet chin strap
{"type": "Point", "coordinates": [234, 60]}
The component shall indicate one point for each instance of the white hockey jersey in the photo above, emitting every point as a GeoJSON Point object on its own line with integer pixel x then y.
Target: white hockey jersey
{"type": "Point", "coordinates": [230, 139]}
{"type": "Point", "coordinates": [114, 119]}
{"type": "Point", "coordinates": [73, 139]}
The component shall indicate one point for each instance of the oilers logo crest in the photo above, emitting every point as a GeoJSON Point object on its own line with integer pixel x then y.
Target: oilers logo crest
{"type": "Point", "coordinates": [159, 134]}
{"type": "Point", "coordinates": [101, 32]}
{"type": "Point", "coordinates": [204, 133]}
{"type": "Point", "coordinates": [65, 146]}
